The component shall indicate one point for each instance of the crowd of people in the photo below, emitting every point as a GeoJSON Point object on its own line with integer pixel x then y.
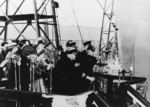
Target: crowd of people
{"type": "Point", "coordinates": [41, 67]}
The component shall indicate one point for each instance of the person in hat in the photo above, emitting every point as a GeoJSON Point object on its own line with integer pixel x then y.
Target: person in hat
{"type": "Point", "coordinates": [86, 44]}
{"type": "Point", "coordinates": [66, 74]}
{"type": "Point", "coordinates": [41, 68]}
{"type": "Point", "coordinates": [83, 53]}
{"type": "Point", "coordinates": [3, 52]}
{"type": "Point", "coordinates": [87, 62]}
{"type": "Point", "coordinates": [22, 50]}
{"type": "Point", "coordinates": [70, 44]}
{"type": "Point", "coordinates": [5, 56]}
{"type": "Point", "coordinates": [40, 45]}
{"type": "Point", "coordinates": [49, 46]}
{"type": "Point", "coordinates": [25, 49]}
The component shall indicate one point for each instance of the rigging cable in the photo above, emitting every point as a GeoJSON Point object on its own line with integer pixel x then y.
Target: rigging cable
{"type": "Point", "coordinates": [69, 17]}
{"type": "Point", "coordinates": [77, 22]}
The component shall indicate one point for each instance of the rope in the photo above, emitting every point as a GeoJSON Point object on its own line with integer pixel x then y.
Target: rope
{"type": "Point", "coordinates": [76, 22]}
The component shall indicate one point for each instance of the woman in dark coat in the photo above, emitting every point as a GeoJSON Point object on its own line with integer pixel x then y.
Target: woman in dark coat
{"type": "Point", "coordinates": [23, 50]}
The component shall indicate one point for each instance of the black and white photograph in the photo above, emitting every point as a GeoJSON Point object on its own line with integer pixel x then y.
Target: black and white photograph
{"type": "Point", "coordinates": [74, 53]}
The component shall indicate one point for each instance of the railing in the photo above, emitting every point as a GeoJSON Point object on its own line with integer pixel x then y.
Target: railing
{"type": "Point", "coordinates": [137, 98]}
{"type": "Point", "coordinates": [122, 93]}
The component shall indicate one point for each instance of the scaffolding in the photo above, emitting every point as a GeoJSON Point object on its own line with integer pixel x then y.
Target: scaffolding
{"type": "Point", "coordinates": [39, 17]}
{"type": "Point", "coordinates": [108, 28]}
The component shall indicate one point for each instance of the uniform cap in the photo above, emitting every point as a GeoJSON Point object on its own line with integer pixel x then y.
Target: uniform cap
{"type": "Point", "coordinates": [87, 43]}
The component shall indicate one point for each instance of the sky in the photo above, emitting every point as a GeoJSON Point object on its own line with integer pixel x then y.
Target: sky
{"type": "Point", "coordinates": [88, 13]}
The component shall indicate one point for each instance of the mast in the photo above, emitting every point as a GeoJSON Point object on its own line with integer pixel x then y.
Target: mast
{"type": "Point", "coordinates": [36, 19]}
{"type": "Point", "coordinates": [55, 5]}
{"type": "Point", "coordinates": [5, 35]}
{"type": "Point", "coordinates": [108, 13]}
{"type": "Point", "coordinates": [100, 44]}
{"type": "Point", "coordinates": [111, 15]}
{"type": "Point", "coordinates": [46, 27]}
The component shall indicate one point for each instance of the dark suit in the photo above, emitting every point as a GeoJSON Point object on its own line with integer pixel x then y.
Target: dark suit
{"type": "Point", "coordinates": [65, 77]}
{"type": "Point", "coordinates": [87, 63]}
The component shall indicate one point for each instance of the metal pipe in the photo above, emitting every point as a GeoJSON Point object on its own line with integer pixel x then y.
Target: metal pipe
{"type": "Point", "coordinates": [100, 42]}
{"type": "Point", "coordinates": [2, 4]}
{"type": "Point", "coordinates": [5, 35]}
{"type": "Point", "coordinates": [36, 18]}
{"type": "Point", "coordinates": [111, 14]}
{"type": "Point", "coordinates": [47, 37]}
{"type": "Point", "coordinates": [22, 32]}
{"type": "Point", "coordinates": [9, 20]}
{"type": "Point", "coordinates": [55, 24]}
{"type": "Point", "coordinates": [41, 5]}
